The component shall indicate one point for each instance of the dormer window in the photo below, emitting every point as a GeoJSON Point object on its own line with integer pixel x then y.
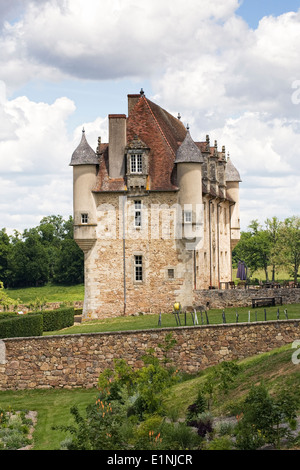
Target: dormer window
{"type": "Point", "coordinates": [136, 163]}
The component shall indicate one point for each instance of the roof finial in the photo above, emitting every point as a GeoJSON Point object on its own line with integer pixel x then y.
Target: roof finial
{"type": "Point", "coordinates": [179, 116]}
{"type": "Point", "coordinates": [187, 127]}
{"type": "Point", "coordinates": [83, 131]}
{"type": "Point", "coordinates": [142, 91]}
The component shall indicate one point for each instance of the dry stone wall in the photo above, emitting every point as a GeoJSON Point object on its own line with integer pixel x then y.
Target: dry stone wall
{"type": "Point", "coordinates": [217, 298]}
{"type": "Point", "coordinates": [72, 361]}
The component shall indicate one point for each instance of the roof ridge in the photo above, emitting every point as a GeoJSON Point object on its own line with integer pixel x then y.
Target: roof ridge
{"type": "Point", "coordinates": [159, 127]}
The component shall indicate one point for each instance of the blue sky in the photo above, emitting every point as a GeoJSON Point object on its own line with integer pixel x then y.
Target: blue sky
{"type": "Point", "coordinates": [230, 68]}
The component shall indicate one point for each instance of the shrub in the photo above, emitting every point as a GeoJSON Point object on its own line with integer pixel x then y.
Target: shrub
{"type": "Point", "coordinates": [14, 429]}
{"type": "Point", "coordinates": [54, 320]}
{"type": "Point", "coordinates": [266, 419]}
{"type": "Point", "coordinates": [21, 326]}
{"type": "Point", "coordinates": [221, 443]}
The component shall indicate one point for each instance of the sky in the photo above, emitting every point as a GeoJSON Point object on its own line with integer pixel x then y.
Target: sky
{"type": "Point", "coordinates": [230, 67]}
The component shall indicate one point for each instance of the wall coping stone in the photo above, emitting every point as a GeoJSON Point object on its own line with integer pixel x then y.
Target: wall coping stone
{"type": "Point", "coordinates": [296, 322]}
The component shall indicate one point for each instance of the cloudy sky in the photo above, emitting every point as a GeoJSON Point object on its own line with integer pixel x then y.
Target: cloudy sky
{"type": "Point", "coordinates": [230, 67]}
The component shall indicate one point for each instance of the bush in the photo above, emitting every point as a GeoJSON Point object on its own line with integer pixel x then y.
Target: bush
{"type": "Point", "coordinates": [21, 326]}
{"type": "Point", "coordinates": [14, 430]}
{"type": "Point", "coordinates": [54, 320]}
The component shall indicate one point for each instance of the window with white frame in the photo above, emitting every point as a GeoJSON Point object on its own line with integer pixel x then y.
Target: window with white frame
{"type": "Point", "coordinates": [188, 217]}
{"type": "Point", "coordinates": [138, 268]}
{"type": "Point", "coordinates": [137, 214]}
{"type": "Point", "coordinates": [84, 218]}
{"type": "Point", "coordinates": [136, 163]}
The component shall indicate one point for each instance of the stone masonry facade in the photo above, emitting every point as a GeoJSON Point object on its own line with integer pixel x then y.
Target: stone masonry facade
{"type": "Point", "coordinates": [73, 361]}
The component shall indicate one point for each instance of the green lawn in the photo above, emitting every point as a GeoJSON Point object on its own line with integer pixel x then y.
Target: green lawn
{"type": "Point", "coordinates": [280, 275]}
{"type": "Point", "coordinates": [53, 408]}
{"type": "Point", "coordinates": [168, 319]}
{"type": "Point", "coordinates": [50, 293]}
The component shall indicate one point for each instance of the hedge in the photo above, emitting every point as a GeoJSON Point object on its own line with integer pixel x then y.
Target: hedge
{"type": "Point", "coordinates": [13, 325]}
{"type": "Point", "coordinates": [21, 326]}
{"type": "Point", "coordinates": [54, 320]}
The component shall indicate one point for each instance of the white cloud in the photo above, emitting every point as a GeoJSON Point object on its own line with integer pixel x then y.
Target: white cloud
{"type": "Point", "coordinates": [225, 79]}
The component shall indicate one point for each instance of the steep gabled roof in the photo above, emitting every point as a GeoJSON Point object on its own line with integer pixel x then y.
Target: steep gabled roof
{"type": "Point", "coordinates": [162, 133]}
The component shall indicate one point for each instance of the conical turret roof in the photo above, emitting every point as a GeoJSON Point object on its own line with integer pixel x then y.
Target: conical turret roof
{"type": "Point", "coordinates": [231, 173]}
{"type": "Point", "coordinates": [84, 154]}
{"type": "Point", "coordinates": [188, 151]}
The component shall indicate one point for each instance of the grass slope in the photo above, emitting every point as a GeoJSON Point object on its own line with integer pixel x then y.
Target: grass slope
{"type": "Point", "coordinates": [49, 293]}
{"type": "Point", "coordinates": [275, 369]}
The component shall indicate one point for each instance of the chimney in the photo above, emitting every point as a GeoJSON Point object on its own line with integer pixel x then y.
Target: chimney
{"type": "Point", "coordinates": [117, 144]}
{"type": "Point", "coordinates": [132, 100]}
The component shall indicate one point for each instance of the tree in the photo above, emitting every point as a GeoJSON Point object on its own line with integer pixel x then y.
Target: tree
{"type": "Point", "coordinates": [69, 266]}
{"type": "Point", "coordinates": [266, 419]}
{"type": "Point", "coordinates": [28, 261]}
{"type": "Point", "coordinates": [273, 226]}
{"type": "Point", "coordinates": [288, 252]}
{"type": "Point", "coordinates": [254, 248]}
{"type": "Point", "coordinates": [5, 247]}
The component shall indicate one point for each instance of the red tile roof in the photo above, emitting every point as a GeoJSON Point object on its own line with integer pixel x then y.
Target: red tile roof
{"type": "Point", "coordinates": [163, 134]}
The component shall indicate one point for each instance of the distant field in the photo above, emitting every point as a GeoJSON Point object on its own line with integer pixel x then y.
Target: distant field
{"type": "Point", "coordinates": [49, 293]}
{"type": "Point", "coordinates": [280, 275]}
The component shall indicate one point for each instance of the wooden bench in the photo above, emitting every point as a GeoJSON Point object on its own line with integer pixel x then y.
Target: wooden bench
{"type": "Point", "coordinates": [265, 301]}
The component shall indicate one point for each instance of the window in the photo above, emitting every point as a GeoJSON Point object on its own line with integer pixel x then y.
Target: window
{"type": "Point", "coordinates": [84, 218]}
{"type": "Point", "coordinates": [136, 165]}
{"type": "Point", "coordinates": [188, 216]}
{"type": "Point", "coordinates": [137, 213]}
{"type": "Point", "coordinates": [171, 273]}
{"type": "Point", "coordinates": [138, 268]}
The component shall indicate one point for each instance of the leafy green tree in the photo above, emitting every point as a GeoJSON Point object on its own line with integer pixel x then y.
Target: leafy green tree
{"type": "Point", "coordinates": [66, 260]}
{"type": "Point", "coordinates": [273, 227]}
{"type": "Point", "coordinates": [69, 266]}
{"type": "Point", "coordinates": [5, 248]}
{"type": "Point", "coordinates": [28, 261]}
{"type": "Point", "coordinates": [266, 419]}
{"type": "Point", "coordinates": [254, 248]}
{"type": "Point", "coordinates": [288, 253]}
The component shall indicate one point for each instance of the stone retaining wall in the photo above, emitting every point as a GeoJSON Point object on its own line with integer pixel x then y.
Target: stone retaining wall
{"type": "Point", "coordinates": [72, 361]}
{"type": "Point", "coordinates": [217, 298]}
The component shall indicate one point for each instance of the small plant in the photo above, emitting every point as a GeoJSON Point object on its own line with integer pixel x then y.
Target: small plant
{"type": "Point", "coordinates": [195, 409]}
{"type": "Point", "coordinates": [14, 429]}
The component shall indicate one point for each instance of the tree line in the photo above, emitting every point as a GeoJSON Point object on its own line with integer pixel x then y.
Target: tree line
{"type": "Point", "coordinates": [42, 254]}
{"type": "Point", "coordinates": [276, 244]}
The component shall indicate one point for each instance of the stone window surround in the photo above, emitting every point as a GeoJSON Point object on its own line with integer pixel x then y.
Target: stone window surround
{"type": "Point", "coordinates": [135, 265]}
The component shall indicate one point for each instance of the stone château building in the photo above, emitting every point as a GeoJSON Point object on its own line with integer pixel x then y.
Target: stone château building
{"type": "Point", "coordinates": [155, 212]}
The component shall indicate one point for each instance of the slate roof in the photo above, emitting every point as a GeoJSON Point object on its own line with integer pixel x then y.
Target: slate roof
{"type": "Point", "coordinates": [84, 154]}
{"type": "Point", "coordinates": [188, 151]}
{"type": "Point", "coordinates": [231, 173]}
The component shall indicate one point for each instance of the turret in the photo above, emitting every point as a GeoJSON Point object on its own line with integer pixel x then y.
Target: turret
{"type": "Point", "coordinates": [85, 167]}
{"type": "Point", "coordinates": [233, 180]}
{"type": "Point", "coordinates": [189, 161]}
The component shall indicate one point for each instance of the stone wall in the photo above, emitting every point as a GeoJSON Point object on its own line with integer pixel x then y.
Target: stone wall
{"type": "Point", "coordinates": [217, 298]}
{"type": "Point", "coordinates": [72, 361]}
